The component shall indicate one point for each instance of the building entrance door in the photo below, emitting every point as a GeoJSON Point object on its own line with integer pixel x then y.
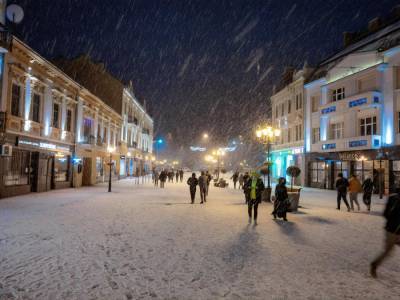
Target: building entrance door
{"type": "Point", "coordinates": [87, 171]}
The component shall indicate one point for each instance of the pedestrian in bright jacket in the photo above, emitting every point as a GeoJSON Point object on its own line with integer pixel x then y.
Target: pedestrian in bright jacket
{"type": "Point", "coordinates": [192, 182]}
{"type": "Point", "coordinates": [354, 189]}
{"type": "Point", "coordinates": [392, 215]}
{"type": "Point", "coordinates": [253, 189]}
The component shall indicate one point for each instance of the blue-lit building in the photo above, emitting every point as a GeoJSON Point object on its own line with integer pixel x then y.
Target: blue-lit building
{"type": "Point", "coordinates": [352, 112]}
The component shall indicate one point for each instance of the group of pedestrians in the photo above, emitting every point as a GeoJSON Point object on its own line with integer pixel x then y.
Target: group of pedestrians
{"type": "Point", "coordinates": [204, 184]}
{"type": "Point", "coordinates": [353, 187]}
{"type": "Point", "coordinates": [236, 177]}
{"type": "Point", "coordinates": [159, 178]}
{"type": "Point", "coordinates": [253, 187]}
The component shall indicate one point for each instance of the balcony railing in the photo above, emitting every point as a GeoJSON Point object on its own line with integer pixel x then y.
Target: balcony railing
{"type": "Point", "coordinates": [348, 144]}
{"type": "Point", "coordinates": [367, 99]}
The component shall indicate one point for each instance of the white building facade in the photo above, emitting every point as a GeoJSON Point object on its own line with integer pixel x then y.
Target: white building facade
{"type": "Point", "coordinates": [352, 114]}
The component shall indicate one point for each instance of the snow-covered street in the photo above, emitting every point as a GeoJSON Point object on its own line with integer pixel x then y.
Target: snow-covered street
{"type": "Point", "coordinates": [141, 242]}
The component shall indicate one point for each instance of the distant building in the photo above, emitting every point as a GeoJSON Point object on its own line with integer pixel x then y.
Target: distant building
{"type": "Point", "coordinates": [288, 115]}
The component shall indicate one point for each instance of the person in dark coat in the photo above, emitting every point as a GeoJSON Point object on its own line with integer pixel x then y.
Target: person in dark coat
{"type": "Point", "coordinates": [253, 188]}
{"type": "Point", "coordinates": [281, 203]}
{"type": "Point", "coordinates": [177, 176]}
{"type": "Point", "coordinates": [368, 188]}
{"type": "Point", "coordinates": [235, 178]}
{"type": "Point", "coordinates": [192, 182]}
{"type": "Point", "coordinates": [163, 178]}
{"type": "Point", "coordinates": [341, 186]}
{"type": "Point", "coordinates": [156, 176]}
{"type": "Point", "coordinates": [203, 187]}
{"type": "Point", "coordinates": [181, 175]}
{"type": "Point", "coordinates": [392, 215]}
{"type": "Point", "coordinates": [209, 178]}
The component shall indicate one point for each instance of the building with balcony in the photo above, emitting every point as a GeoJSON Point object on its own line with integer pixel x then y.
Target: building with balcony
{"type": "Point", "coordinates": [352, 113]}
{"type": "Point", "coordinates": [288, 115]}
{"type": "Point", "coordinates": [137, 134]}
{"type": "Point", "coordinates": [38, 111]}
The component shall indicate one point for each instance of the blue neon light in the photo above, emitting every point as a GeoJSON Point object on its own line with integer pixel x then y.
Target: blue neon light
{"type": "Point", "coordinates": [328, 146]}
{"type": "Point", "coordinates": [358, 143]}
{"type": "Point", "coordinates": [376, 99]}
{"type": "Point", "coordinates": [358, 102]}
{"type": "Point", "coordinates": [328, 110]}
{"type": "Point", "coordinates": [377, 142]}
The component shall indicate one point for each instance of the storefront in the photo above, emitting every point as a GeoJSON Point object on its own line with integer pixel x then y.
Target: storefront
{"type": "Point", "coordinates": [283, 159]}
{"type": "Point", "coordinates": [35, 165]}
{"type": "Point", "coordinates": [382, 166]}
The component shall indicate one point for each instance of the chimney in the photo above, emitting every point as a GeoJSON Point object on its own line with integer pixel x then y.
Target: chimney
{"type": "Point", "coordinates": [348, 38]}
{"type": "Point", "coordinates": [374, 24]}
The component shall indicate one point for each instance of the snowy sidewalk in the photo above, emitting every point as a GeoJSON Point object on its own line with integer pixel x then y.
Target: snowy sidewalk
{"type": "Point", "coordinates": [140, 242]}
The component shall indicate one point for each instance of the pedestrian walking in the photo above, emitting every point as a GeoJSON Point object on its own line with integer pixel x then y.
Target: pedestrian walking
{"type": "Point", "coordinates": [163, 178]}
{"type": "Point", "coordinates": [235, 178]}
{"type": "Point", "coordinates": [192, 182]}
{"type": "Point", "coordinates": [155, 175]}
{"type": "Point", "coordinates": [354, 189]}
{"type": "Point", "coordinates": [241, 180]}
{"type": "Point", "coordinates": [209, 178]}
{"type": "Point", "coordinates": [203, 187]}
{"type": "Point", "coordinates": [341, 186]}
{"type": "Point", "coordinates": [177, 176]}
{"type": "Point", "coordinates": [246, 178]}
{"type": "Point", "coordinates": [392, 230]}
{"type": "Point", "coordinates": [253, 188]}
{"type": "Point", "coordinates": [181, 175]}
{"type": "Point", "coordinates": [281, 203]}
{"type": "Point", "coordinates": [368, 188]}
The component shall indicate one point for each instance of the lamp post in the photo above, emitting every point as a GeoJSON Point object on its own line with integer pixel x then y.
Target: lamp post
{"type": "Point", "coordinates": [110, 150]}
{"type": "Point", "coordinates": [218, 153]}
{"type": "Point", "coordinates": [267, 136]}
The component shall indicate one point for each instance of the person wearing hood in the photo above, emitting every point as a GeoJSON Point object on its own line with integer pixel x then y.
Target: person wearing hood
{"type": "Point", "coordinates": [253, 187]}
{"type": "Point", "coordinates": [281, 203]}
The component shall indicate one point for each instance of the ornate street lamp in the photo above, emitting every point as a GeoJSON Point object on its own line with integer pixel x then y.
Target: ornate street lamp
{"type": "Point", "coordinates": [218, 153]}
{"type": "Point", "coordinates": [266, 136]}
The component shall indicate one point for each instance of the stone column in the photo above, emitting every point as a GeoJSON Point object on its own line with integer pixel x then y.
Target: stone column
{"type": "Point", "coordinates": [79, 116]}
{"type": "Point", "coordinates": [63, 113]}
{"type": "Point", "coordinates": [96, 124]}
{"type": "Point", "coordinates": [28, 100]}
{"type": "Point", "coordinates": [47, 108]}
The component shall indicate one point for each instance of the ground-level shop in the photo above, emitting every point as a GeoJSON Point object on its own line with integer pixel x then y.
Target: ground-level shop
{"type": "Point", "coordinates": [34, 165]}
{"type": "Point", "coordinates": [382, 166]}
{"type": "Point", "coordinates": [282, 159]}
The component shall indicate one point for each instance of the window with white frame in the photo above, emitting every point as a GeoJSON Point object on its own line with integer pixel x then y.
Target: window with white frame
{"type": "Point", "coordinates": [289, 108]}
{"type": "Point", "coordinates": [288, 135]}
{"type": "Point", "coordinates": [299, 132]}
{"type": "Point", "coordinates": [338, 94]}
{"type": "Point", "coordinates": [337, 130]}
{"type": "Point", "coordinates": [282, 109]}
{"type": "Point", "coordinates": [36, 101]}
{"type": "Point", "coordinates": [368, 126]}
{"type": "Point", "coordinates": [276, 111]}
{"type": "Point", "coordinates": [315, 135]}
{"type": "Point", "coordinates": [299, 101]}
{"type": "Point", "coordinates": [56, 115]}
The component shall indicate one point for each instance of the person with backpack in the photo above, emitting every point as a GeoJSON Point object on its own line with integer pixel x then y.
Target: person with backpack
{"type": "Point", "coordinates": [192, 182]}
{"type": "Point", "coordinates": [392, 230]}
{"type": "Point", "coordinates": [281, 203]}
{"type": "Point", "coordinates": [354, 189]}
{"type": "Point", "coordinates": [368, 188]}
{"type": "Point", "coordinates": [254, 188]}
{"type": "Point", "coordinates": [341, 186]}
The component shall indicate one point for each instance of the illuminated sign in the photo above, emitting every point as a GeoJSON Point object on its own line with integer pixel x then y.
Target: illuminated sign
{"type": "Point", "coordinates": [328, 146]}
{"type": "Point", "coordinates": [328, 110]}
{"type": "Point", "coordinates": [200, 149]}
{"type": "Point", "coordinates": [43, 145]}
{"type": "Point", "coordinates": [358, 102]}
{"type": "Point", "coordinates": [359, 143]}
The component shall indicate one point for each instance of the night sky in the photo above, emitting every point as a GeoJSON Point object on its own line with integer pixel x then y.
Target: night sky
{"type": "Point", "coordinates": [199, 65]}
